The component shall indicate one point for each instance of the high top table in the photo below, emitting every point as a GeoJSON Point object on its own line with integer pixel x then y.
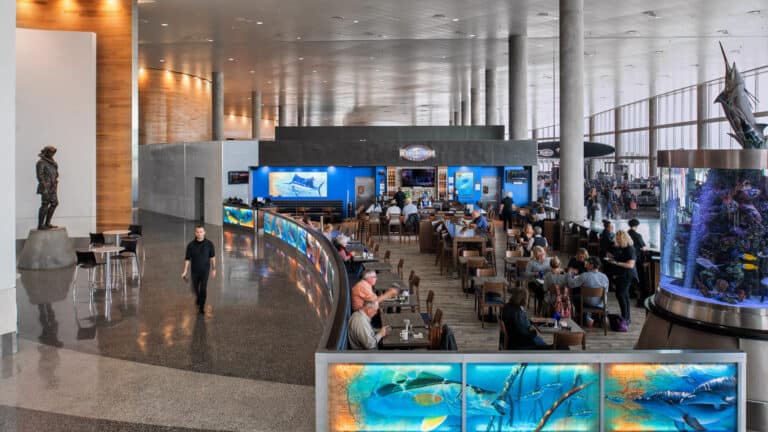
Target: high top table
{"type": "Point", "coordinates": [108, 251]}
{"type": "Point", "coordinates": [117, 234]}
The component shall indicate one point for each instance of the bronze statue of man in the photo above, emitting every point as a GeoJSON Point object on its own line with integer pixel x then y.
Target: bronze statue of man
{"type": "Point", "coordinates": [48, 181]}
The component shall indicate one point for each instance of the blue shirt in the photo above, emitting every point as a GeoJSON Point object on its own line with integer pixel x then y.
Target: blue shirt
{"type": "Point", "coordinates": [482, 224]}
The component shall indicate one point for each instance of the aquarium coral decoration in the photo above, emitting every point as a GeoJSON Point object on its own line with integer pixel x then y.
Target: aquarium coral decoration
{"type": "Point", "coordinates": [737, 104]}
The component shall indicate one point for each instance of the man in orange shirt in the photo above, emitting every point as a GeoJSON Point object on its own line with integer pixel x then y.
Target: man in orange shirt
{"type": "Point", "coordinates": [363, 290]}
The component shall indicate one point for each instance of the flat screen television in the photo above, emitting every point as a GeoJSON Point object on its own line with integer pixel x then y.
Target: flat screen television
{"type": "Point", "coordinates": [238, 177]}
{"type": "Point", "coordinates": [423, 177]}
{"type": "Point", "coordinates": [517, 176]}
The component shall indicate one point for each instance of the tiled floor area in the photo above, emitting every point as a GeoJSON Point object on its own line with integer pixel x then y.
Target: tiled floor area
{"type": "Point", "coordinates": [155, 365]}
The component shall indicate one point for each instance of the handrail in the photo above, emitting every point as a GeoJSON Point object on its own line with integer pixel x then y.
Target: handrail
{"type": "Point", "coordinates": [334, 337]}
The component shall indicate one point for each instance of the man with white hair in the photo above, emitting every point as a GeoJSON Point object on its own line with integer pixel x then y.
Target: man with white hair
{"type": "Point", "coordinates": [507, 210]}
{"type": "Point", "coordinates": [361, 335]}
{"type": "Point", "coordinates": [363, 291]}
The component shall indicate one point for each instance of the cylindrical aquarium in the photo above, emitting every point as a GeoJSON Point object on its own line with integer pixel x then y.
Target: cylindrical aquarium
{"type": "Point", "coordinates": [714, 247]}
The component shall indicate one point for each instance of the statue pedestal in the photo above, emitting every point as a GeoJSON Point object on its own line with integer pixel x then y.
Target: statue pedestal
{"type": "Point", "coordinates": [47, 249]}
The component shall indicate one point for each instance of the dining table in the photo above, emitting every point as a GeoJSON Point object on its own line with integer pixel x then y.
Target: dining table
{"type": "Point", "coordinates": [546, 327]}
{"type": "Point", "coordinates": [377, 266]}
{"type": "Point", "coordinates": [418, 337]}
{"type": "Point", "coordinates": [108, 251]}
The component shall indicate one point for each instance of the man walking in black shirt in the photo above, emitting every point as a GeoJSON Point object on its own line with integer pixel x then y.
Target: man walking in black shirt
{"type": "Point", "coordinates": [201, 259]}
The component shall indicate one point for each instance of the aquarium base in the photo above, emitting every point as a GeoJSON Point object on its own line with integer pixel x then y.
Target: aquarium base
{"type": "Point", "coordinates": [663, 330]}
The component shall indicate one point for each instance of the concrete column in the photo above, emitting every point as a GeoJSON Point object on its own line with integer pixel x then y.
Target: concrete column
{"type": "Point", "coordinates": [702, 137]}
{"type": "Point", "coordinates": [8, 317]}
{"type": "Point", "coordinates": [518, 86]}
{"type": "Point", "coordinates": [217, 106]}
{"type": "Point", "coordinates": [490, 97]}
{"type": "Point", "coordinates": [475, 104]}
{"type": "Point", "coordinates": [571, 110]}
{"type": "Point", "coordinates": [299, 112]}
{"type": "Point", "coordinates": [464, 111]}
{"type": "Point", "coordinates": [653, 143]}
{"type": "Point", "coordinates": [255, 115]}
{"type": "Point", "coordinates": [617, 145]}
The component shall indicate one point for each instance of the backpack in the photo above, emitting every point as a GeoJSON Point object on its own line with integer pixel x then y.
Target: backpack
{"type": "Point", "coordinates": [617, 323]}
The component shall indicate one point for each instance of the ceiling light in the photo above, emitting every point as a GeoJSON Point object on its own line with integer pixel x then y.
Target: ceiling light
{"type": "Point", "coordinates": [543, 14]}
{"type": "Point", "coordinates": [209, 40]}
{"type": "Point", "coordinates": [631, 32]}
{"type": "Point", "coordinates": [472, 35]}
{"type": "Point", "coordinates": [355, 21]}
{"type": "Point", "coordinates": [231, 59]}
{"type": "Point", "coordinates": [650, 14]}
{"type": "Point", "coordinates": [301, 58]}
{"type": "Point", "coordinates": [338, 17]}
{"type": "Point", "coordinates": [259, 22]}
{"type": "Point", "coordinates": [325, 82]}
{"type": "Point", "coordinates": [377, 70]}
{"type": "Point", "coordinates": [455, 20]}
{"type": "Point", "coordinates": [164, 24]}
{"type": "Point", "coordinates": [269, 82]}
{"type": "Point", "coordinates": [162, 60]}
{"type": "Point", "coordinates": [314, 71]}
{"type": "Point", "coordinates": [252, 71]}
{"type": "Point", "coordinates": [659, 51]}
{"type": "Point", "coordinates": [152, 1]}
{"type": "Point", "coordinates": [298, 37]}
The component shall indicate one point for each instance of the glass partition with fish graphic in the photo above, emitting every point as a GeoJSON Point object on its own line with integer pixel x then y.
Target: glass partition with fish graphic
{"type": "Point", "coordinates": [667, 390]}
{"type": "Point", "coordinates": [533, 397]}
{"type": "Point", "coordinates": [298, 184]}
{"type": "Point", "coordinates": [671, 397]}
{"type": "Point", "coordinates": [397, 397]}
{"type": "Point", "coordinates": [714, 250]}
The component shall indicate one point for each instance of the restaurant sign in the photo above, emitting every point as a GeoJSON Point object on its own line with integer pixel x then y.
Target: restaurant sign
{"type": "Point", "coordinates": [417, 153]}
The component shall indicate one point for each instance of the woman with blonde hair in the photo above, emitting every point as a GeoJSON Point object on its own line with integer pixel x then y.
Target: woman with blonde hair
{"type": "Point", "coordinates": [536, 269]}
{"type": "Point", "coordinates": [525, 238]}
{"type": "Point", "coordinates": [623, 259]}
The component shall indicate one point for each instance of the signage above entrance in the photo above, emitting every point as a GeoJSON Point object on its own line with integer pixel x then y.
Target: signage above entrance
{"type": "Point", "coordinates": [417, 153]}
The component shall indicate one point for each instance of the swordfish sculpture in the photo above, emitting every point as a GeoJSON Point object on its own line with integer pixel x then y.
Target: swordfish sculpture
{"type": "Point", "coordinates": [737, 104]}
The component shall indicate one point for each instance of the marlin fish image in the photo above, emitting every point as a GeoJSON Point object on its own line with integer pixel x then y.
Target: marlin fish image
{"type": "Point", "coordinates": [737, 105]}
{"type": "Point", "coordinates": [307, 183]}
{"type": "Point", "coordinates": [430, 397]}
{"type": "Point", "coordinates": [669, 404]}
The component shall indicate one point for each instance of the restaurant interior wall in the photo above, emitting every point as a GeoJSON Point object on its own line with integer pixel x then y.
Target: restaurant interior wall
{"type": "Point", "coordinates": [341, 182]}
{"type": "Point", "coordinates": [56, 105]}
{"type": "Point", "coordinates": [112, 21]}
{"type": "Point", "coordinates": [8, 315]}
{"type": "Point", "coordinates": [237, 156]}
{"type": "Point", "coordinates": [521, 192]}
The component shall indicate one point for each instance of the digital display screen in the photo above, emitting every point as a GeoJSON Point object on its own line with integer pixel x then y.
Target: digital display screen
{"type": "Point", "coordinates": [424, 177]}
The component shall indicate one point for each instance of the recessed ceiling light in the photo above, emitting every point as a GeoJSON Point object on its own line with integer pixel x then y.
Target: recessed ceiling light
{"type": "Point", "coordinates": [325, 82]}
{"type": "Point", "coordinates": [252, 71]}
{"type": "Point", "coordinates": [145, 1]}
{"type": "Point", "coordinates": [443, 57]}
{"type": "Point", "coordinates": [377, 70]}
{"type": "Point", "coordinates": [314, 70]}
{"type": "Point", "coordinates": [259, 22]}
{"type": "Point", "coordinates": [269, 82]}
{"type": "Point", "coordinates": [355, 21]}
{"type": "Point", "coordinates": [455, 20]}
{"type": "Point", "coordinates": [231, 59]}
{"type": "Point", "coordinates": [162, 60]}
{"type": "Point", "coordinates": [209, 40]}
{"type": "Point", "coordinates": [472, 35]}
{"type": "Point", "coordinates": [298, 37]}
{"type": "Point", "coordinates": [164, 24]}
{"type": "Point", "coordinates": [301, 58]}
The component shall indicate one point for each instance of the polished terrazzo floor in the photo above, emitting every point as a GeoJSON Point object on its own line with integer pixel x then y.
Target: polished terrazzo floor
{"type": "Point", "coordinates": [148, 361]}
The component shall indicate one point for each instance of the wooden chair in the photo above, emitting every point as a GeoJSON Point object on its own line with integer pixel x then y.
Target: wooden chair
{"type": "Point", "coordinates": [491, 297]}
{"type": "Point", "coordinates": [387, 255]}
{"type": "Point", "coordinates": [568, 339]}
{"type": "Point", "coordinates": [510, 264]}
{"type": "Point", "coordinates": [395, 228]}
{"type": "Point", "coordinates": [601, 311]}
{"type": "Point", "coordinates": [503, 337]}
{"type": "Point", "coordinates": [400, 268]}
{"type": "Point", "coordinates": [413, 288]}
{"type": "Point", "coordinates": [480, 273]}
{"type": "Point", "coordinates": [472, 267]}
{"type": "Point", "coordinates": [436, 330]}
{"type": "Point", "coordinates": [427, 316]}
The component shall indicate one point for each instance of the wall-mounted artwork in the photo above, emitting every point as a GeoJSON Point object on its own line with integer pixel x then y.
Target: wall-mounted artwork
{"type": "Point", "coordinates": [291, 184]}
{"type": "Point", "coordinates": [465, 183]}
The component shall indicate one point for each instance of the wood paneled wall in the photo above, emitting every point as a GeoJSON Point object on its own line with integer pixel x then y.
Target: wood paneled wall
{"type": "Point", "coordinates": [173, 107]}
{"type": "Point", "coordinates": [111, 21]}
